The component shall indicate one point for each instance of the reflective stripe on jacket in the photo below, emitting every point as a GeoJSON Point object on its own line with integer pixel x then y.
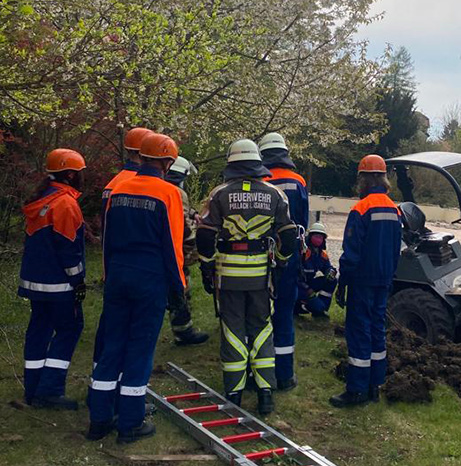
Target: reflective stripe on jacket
{"type": "Point", "coordinates": [239, 212]}
{"type": "Point", "coordinates": [145, 226]}
{"type": "Point", "coordinates": [315, 260]}
{"type": "Point", "coordinates": [54, 251]}
{"type": "Point", "coordinates": [372, 241]}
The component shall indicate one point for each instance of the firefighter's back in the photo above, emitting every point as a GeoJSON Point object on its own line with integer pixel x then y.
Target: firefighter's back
{"type": "Point", "coordinates": [248, 211]}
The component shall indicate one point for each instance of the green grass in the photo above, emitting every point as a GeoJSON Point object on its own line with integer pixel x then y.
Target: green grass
{"type": "Point", "coordinates": [382, 434]}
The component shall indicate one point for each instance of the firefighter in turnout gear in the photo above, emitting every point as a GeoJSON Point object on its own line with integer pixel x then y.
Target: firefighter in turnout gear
{"type": "Point", "coordinates": [275, 157]}
{"type": "Point", "coordinates": [52, 278]}
{"type": "Point", "coordinates": [371, 246]}
{"type": "Point", "coordinates": [132, 144]}
{"type": "Point", "coordinates": [179, 303]}
{"type": "Point", "coordinates": [143, 259]}
{"type": "Point", "coordinates": [315, 291]}
{"type": "Point", "coordinates": [245, 229]}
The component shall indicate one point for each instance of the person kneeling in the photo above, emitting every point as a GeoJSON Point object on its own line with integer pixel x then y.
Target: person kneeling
{"type": "Point", "coordinates": [315, 291]}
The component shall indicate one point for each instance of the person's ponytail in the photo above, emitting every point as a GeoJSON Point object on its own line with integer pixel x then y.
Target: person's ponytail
{"type": "Point", "coordinates": [42, 187]}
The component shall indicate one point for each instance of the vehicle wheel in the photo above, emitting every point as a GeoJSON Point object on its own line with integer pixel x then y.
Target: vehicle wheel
{"type": "Point", "coordinates": [423, 313]}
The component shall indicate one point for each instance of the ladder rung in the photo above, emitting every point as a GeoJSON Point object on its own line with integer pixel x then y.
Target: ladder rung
{"type": "Point", "coordinates": [186, 396]}
{"type": "Point", "coordinates": [259, 455]}
{"type": "Point", "coordinates": [222, 422]}
{"type": "Point", "coordinates": [242, 437]}
{"type": "Point", "coordinates": [202, 409]}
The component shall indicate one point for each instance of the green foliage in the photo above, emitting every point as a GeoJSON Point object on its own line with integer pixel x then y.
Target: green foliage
{"type": "Point", "coordinates": [450, 129]}
{"type": "Point", "coordinates": [223, 68]}
{"type": "Point", "coordinates": [397, 101]}
{"type": "Point", "coordinates": [80, 73]}
{"type": "Point", "coordinates": [399, 74]}
{"type": "Point", "coordinates": [399, 110]}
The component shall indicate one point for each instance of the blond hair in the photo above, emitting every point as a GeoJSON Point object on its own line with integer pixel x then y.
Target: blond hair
{"type": "Point", "coordinates": [367, 181]}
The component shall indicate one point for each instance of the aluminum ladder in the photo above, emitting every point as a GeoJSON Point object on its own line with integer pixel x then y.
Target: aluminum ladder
{"type": "Point", "coordinates": [232, 415]}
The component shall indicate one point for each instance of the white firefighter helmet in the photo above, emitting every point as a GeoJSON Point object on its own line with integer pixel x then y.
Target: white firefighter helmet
{"type": "Point", "coordinates": [243, 150]}
{"type": "Point", "coordinates": [272, 141]}
{"type": "Point", "coordinates": [318, 227]}
{"type": "Point", "coordinates": [182, 165]}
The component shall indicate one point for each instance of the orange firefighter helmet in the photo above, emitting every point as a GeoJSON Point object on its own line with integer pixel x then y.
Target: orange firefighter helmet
{"type": "Point", "coordinates": [134, 138]}
{"type": "Point", "coordinates": [159, 146]}
{"type": "Point", "coordinates": [372, 164]}
{"type": "Point", "coordinates": [59, 160]}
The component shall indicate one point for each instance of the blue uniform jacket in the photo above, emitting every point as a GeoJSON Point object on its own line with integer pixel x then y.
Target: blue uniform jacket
{"type": "Point", "coordinates": [53, 262]}
{"type": "Point", "coordinates": [294, 186]}
{"type": "Point", "coordinates": [145, 227]}
{"type": "Point", "coordinates": [371, 242]}
{"type": "Point", "coordinates": [129, 170]}
{"type": "Point", "coordinates": [315, 260]}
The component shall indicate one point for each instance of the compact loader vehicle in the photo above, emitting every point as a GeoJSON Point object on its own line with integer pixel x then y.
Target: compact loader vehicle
{"type": "Point", "coordinates": [426, 295]}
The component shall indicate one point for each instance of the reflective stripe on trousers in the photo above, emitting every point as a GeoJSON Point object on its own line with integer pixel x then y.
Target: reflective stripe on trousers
{"type": "Point", "coordinates": [365, 336]}
{"type": "Point", "coordinates": [245, 323]}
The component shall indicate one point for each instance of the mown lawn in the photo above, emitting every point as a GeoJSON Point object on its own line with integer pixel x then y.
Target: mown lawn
{"type": "Point", "coordinates": [382, 434]}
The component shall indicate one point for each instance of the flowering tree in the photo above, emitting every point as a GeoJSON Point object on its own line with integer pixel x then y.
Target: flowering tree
{"type": "Point", "coordinates": [79, 73]}
{"type": "Point", "coordinates": [225, 67]}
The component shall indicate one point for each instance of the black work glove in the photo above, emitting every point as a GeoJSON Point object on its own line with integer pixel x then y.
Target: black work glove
{"type": "Point", "coordinates": [208, 273]}
{"type": "Point", "coordinates": [80, 292]}
{"type": "Point", "coordinates": [331, 274]}
{"type": "Point", "coordinates": [341, 296]}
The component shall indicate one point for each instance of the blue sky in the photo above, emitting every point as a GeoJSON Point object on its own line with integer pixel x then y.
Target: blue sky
{"type": "Point", "coordinates": [431, 31]}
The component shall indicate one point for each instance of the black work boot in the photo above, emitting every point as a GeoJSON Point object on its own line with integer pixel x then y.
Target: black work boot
{"type": "Point", "coordinates": [349, 399]}
{"type": "Point", "coordinates": [235, 397]}
{"type": "Point", "coordinates": [265, 401]}
{"type": "Point", "coordinates": [287, 385]}
{"type": "Point", "coordinates": [55, 402]}
{"type": "Point", "coordinates": [190, 337]}
{"type": "Point", "coordinates": [99, 430]}
{"type": "Point", "coordinates": [373, 393]}
{"type": "Point", "coordinates": [146, 429]}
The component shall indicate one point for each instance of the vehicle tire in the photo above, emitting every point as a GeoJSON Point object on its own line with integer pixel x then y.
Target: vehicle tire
{"type": "Point", "coordinates": [423, 313]}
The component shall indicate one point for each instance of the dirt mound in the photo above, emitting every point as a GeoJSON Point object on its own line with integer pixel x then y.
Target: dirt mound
{"type": "Point", "coordinates": [414, 366]}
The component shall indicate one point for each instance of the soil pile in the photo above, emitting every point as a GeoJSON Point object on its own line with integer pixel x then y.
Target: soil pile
{"type": "Point", "coordinates": [414, 366]}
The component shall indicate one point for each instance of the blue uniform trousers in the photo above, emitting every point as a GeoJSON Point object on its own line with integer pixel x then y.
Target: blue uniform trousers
{"type": "Point", "coordinates": [283, 320]}
{"type": "Point", "coordinates": [366, 336]}
{"type": "Point", "coordinates": [52, 335]}
{"type": "Point", "coordinates": [134, 307]}
{"type": "Point", "coordinates": [324, 289]}
{"type": "Point", "coordinates": [99, 342]}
